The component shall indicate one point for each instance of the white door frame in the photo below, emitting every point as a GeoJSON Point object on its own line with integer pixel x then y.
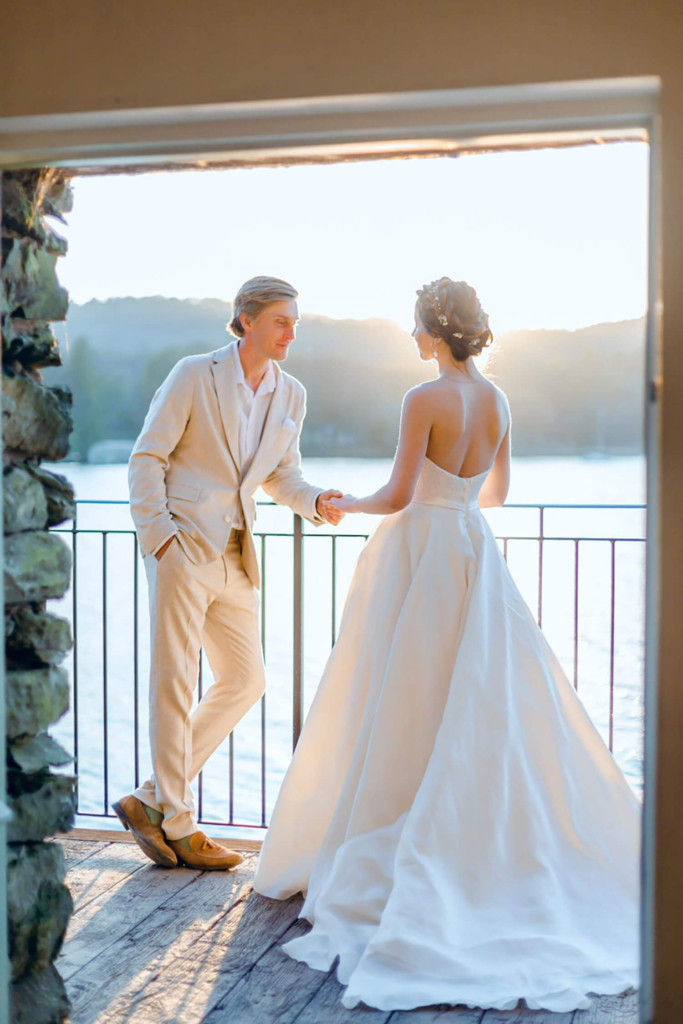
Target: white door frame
{"type": "Point", "coordinates": [323, 129]}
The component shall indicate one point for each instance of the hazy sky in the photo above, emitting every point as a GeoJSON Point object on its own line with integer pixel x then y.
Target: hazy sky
{"type": "Point", "coordinates": [551, 238]}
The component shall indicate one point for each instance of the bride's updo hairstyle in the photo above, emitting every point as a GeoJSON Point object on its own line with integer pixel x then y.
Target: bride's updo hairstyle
{"type": "Point", "coordinates": [451, 310]}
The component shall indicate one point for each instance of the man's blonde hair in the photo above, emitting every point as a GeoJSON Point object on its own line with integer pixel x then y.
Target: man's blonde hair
{"type": "Point", "coordinates": [253, 297]}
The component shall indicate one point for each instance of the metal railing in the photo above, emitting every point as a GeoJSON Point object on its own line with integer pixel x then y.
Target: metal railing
{"type": "Point", "coordinates": [541, 539]}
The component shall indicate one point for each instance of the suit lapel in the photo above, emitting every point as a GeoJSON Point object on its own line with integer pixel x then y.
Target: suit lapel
{"type": "Point", "coordinates": [223, 370]}
{"type": "Point", "coordinates": [271, 428]}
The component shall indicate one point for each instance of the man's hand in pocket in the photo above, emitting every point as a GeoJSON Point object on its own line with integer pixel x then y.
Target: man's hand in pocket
{"type": "Point", "coordinates": [159, 554]}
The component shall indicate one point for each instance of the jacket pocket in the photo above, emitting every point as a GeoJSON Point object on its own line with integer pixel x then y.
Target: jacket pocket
{"type": "Point", "coordinates": [182, 491]}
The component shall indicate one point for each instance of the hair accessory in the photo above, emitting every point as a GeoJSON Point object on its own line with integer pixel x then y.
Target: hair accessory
{"type": "Point", "coordinates": [431, 293]}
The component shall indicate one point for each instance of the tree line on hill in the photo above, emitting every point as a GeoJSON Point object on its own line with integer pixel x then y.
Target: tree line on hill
{"type": "Point", "coordinates": [570, 392]}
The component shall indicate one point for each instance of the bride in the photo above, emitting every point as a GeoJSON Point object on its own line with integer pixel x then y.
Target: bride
{"type": "Point", "coordinates": [459, 828]}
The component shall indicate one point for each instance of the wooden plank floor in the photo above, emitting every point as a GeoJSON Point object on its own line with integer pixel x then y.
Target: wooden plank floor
{"type": "Point", "coordinates": [151, 945]}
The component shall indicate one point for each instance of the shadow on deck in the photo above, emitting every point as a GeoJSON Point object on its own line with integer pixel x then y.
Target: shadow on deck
{"type": "Point", "coordinates": [149, 945]}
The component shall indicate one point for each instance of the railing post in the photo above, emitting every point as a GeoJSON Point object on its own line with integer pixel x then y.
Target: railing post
{"type": "Point", "coordinates": [334, 589]}
{"type": "Point", "coordinates": [298, 654]}
{"type": "Point", "coordinates": [105, 674]}
{"type": "Point", "coordinates": [263, 698]}
{"type": "Point", "coordinates": [611, 643]}
{"type": "Point", "coordinates": [136, 661]}
{"type": "Point", "coordinates": [541, 538]}
{"type": "Point", "coordinates": [576, 613]}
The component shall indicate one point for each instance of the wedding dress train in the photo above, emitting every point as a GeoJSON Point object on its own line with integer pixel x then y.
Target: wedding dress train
{"type": "Point", "coordinates": [461, 831]}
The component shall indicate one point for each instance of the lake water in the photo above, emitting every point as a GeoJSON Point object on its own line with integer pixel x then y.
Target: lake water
{"type": "Point", "coordinates": [574, 481]}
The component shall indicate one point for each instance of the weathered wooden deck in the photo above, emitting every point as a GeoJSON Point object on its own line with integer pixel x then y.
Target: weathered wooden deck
{"type": "Point", "coordinates": [149, 945]}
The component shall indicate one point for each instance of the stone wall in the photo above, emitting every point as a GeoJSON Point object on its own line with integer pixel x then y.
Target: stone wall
{"type": "Point", "coordinates": [36, 423]}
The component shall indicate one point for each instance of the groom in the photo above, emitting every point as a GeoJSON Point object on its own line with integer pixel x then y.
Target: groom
{"type": "Point", "coordinates": [221, 425]}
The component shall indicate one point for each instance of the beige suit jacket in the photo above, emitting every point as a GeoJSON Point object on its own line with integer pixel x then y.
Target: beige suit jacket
{"type": "Point", "coordinates": [184, 475]}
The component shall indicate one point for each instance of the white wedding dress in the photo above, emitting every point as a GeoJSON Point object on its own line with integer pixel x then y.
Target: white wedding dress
{"type": "Point", "coordinates": [460, 828]}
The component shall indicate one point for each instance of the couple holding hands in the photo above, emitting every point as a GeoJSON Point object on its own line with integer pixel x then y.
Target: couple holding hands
{"type": "Point", "coordinates": [460, 830]}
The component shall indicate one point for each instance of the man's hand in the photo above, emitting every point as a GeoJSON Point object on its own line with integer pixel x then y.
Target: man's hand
{"type": "Point", "coordinates": [329, 514]}
{"type": "Point", "coordinates": [159, 554]}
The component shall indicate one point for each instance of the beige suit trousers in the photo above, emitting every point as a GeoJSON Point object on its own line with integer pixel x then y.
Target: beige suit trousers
{"type": "Point", "coordinates": [214, 606]}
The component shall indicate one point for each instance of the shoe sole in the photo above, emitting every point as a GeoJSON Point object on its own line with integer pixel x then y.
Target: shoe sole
{"type": "Point", "coordinates": [208, 867]}
{"type": "Point", "coordinates": [152, 851]}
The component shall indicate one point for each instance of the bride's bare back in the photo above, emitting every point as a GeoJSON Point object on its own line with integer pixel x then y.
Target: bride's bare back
{"type": "Point", "coordinates": [470, 432]}
{"type": "Point", "coordinates": [470, 421]}
{"type": "Point", "coordinates": [463, 426]}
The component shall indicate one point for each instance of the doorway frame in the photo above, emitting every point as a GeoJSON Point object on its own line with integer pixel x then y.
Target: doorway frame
{"type": "Point", "coordinates": [333, 128]}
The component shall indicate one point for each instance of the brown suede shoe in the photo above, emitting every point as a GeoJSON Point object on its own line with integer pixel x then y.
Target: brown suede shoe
{"type": "Point", "coordinates": [205, 853]}
{"type": "Point", "coordinates": [150, 838]}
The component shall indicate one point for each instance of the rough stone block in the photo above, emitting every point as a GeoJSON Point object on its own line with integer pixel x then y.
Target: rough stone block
{"type": "Point", "coordinates": [49, 209]}
{"type": "Point", "coordinates": [34, 637]}
{"type": "Point", "coordinates": [4, 308]}
{"type": "Point", "coordinates": [39, 998]}
{"type": "Point", "coordinates": [37, 566]}
{"type": "Point", "coordinates": [31, 343]}
{"type": "Point", "coordinates": [34, 753]}
{"type": "Point", "coordinates": [21, 216]}
{"type": "Point", "coordinates": [36, 420]}
{"type": "Point", "coordinates": [24, 501]}
{"type": "Point", "coordinates": [41, 805]}
{"type": "Point", "coordinates": [60, 495]}
{"type": "Point", "coordinates": [31, 286]}
{"type": "Point", "coordinates": [34, 698]}
{"type": "Point", "coordinates": [58, 193]}
{"type": "Point", "coordinates": [17, 211]}
{"type": "Point", "coordinates": [38, 905]}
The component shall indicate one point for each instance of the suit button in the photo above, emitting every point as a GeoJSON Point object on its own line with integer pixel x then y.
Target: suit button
{"type": "Point", "coordinates": [227, 518]}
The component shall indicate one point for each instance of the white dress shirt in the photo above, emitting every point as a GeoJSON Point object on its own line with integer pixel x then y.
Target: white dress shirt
{"type": "Point", "coordinates": [253, 408]}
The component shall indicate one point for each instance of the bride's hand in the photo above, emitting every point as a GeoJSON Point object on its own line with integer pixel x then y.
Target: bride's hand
{"type": "Point", "coordinates": [323, 508]}
{"type": "Point", "coordinates": [345, 504]}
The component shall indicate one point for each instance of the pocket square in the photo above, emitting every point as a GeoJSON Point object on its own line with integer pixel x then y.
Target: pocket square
{"type": "Point", "coordinates": [289, 424]}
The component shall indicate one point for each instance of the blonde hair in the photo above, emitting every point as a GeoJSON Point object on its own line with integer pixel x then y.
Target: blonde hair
{"type": "Point", "coordinates": [253, 297]}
